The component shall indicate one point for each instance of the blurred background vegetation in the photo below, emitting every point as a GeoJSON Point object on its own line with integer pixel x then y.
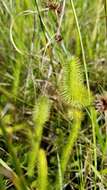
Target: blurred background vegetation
{"type": "Point", "coordinates": [37, 40]}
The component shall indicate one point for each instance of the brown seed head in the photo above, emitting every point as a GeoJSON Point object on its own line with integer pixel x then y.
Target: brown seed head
{"type": "Point", "coordinates": [54, 6]}
{"type": "Point", "coordinates": [58, 38]}
{"type": "Point", "coordinates": [101, 103]}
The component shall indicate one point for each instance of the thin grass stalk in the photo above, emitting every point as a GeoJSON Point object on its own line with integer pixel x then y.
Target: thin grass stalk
{"type": "Point", "coordinates": [105, 9]}
{"type": "Point", "coordinates": [80, 167]}
{"type": "Point", "coordinates": [93, 121]}
{"type": "Point", "coordinates": [69, 145]}
{"type": "Point", "coordinates": [82, 47]}
{"type": "Point", "coordinates": [59, 173]}
{"type": "Point", "coordinates": [34, 152]}
{"type": "Point", "coordinates": [98, 12]}
{"type": "Point", "coordinates": [40, 18]}
{"type": "Point", "coordinates": [14, 158]}
{"type": "Point", "coordinates": [16, 82]}
{"type": "Point", "coordinates": [67, 149]}
{"type": "Point", "coordinates": [87, 82]}
{"type": "Point", "coordinates": [30, 71]}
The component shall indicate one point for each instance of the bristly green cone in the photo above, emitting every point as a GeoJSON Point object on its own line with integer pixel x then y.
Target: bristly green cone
{"type": "Point", "coordinates": [41, 111]}
{"type": "Point", "coordinates": [73, 89]}
{"type": "Point", "coordinates": [40, 116]}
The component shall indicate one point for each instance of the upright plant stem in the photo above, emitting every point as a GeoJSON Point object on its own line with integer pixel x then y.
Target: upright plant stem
{"type": "Point", "coordinates": [82, 47]}
{"type": "Point", "coordinates": [14, 158]}
{"type": "Point", "coordinates": [87, 82]}
{"type": "Point", "coordinates": [105, 8]}
{"type": "Point", "coordinates": [41, 22]}
{"type": "Point", "coordinates": [66, 152]}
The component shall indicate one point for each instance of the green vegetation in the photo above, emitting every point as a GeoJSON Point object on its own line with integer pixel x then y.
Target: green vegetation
{"type": "Point", "coordinates": [53, 99]}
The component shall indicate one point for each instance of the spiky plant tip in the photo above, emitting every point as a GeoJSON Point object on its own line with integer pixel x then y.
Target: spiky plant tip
{"type": "Point", "coordinates": [40, 116]}
{"type": "Point", "coordinates": [41, 110]}
{"type": "Point", "coordinates": [73, 89]}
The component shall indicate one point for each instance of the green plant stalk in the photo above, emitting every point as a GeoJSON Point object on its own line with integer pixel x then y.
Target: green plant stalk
{"type": "Point", "coordinates": [59, 173]}
{"type": "Point", "coordinates": [87, 82]}
{"type": "Point", "coordinates": [16, 81]}
{"type": "Point", "coordinates": [93, 121]}
{"type": "Point", "coordinates": [69, 145]}
{"type": "Point", "coordinates": [34, 152]}
{"type": "Point", "coordinates": [67, 149]}
{"type": "Point", "coordinates": [94, 34]}
{"type": "Point", "coordinates": [82, 47]}
{"type": "Point", "coordinates": [80, 167]}
{"type": "Point", "coordinates": [105, 9]}
{"type": "Point", "coordinates": [14, 158]}
{"type": "Point", "coordinates": [41, 22]}
{"type": "Point", "coordinates": [42, 170]}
